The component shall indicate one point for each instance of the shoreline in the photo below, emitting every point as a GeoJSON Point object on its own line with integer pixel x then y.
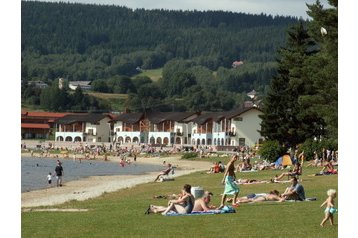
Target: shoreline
{"type": "Point", "coordinates": [95, 186]}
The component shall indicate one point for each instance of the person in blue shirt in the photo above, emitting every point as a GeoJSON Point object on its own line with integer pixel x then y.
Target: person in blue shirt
{"type": "Point", "coordinates": [295, 192]}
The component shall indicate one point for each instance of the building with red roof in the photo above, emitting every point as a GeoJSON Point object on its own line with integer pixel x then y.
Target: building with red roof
{"type": "Point", "coordinates": [38, 125]}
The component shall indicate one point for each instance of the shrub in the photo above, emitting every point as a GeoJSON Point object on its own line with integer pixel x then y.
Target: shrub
{"type": "Point", "coordinates": [189, 155]}
{"type": "Point", "coordinates": [271, 150]}
{"type": "Point", "coordinates": [309, 147]}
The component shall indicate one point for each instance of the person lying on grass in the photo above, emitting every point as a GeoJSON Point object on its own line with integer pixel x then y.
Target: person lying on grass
{"type": "Point", "coordinates": [259, 197]}
{"type": "Point", "coordinates": [251, 181]}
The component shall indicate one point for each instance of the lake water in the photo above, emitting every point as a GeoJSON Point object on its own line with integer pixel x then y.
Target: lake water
{"type": "Point", "coordinates": [34, 171]}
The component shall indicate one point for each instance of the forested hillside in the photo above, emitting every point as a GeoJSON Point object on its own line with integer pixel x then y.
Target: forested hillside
{"type": "Point", "coordinates": [109, 44]}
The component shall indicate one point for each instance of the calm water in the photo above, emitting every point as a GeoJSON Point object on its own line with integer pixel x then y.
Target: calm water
{"type": "Point", "coordinates": [34, 171]}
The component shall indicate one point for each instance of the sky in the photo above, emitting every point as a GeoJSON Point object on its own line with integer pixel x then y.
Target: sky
{"type": "Point", "coordinates": [296, 8]}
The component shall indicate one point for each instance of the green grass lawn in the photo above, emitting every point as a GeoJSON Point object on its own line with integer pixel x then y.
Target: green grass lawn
{"type": "Point", "coordinates": [153, 74]}
{"type": "Point", "coordinates": [121, 214]}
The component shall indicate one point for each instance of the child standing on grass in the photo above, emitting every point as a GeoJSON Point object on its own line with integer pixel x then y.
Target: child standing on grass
{"type": "Point", "coordinates": [330, 209]}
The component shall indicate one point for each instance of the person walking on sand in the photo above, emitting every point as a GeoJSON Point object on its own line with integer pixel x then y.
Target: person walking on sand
{"type": "Point", "coordinates": [330, 209]}
{"type": "Point", "coordinates": [231, 188]}
{"type": "Point", "coordinates": [59, 173]}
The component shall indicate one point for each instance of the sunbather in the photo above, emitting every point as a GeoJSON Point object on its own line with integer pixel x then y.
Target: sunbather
{"type": "Point", "coordinates": [164, 172]}
{"type": "Point", "coordinates": [202, 204]}
{"type": "Point", "coordinates": [261, 197]}
{"type": "Point", "coordinates": [297, 170]}
{"type": "Point", "coordinates": [184, 204]}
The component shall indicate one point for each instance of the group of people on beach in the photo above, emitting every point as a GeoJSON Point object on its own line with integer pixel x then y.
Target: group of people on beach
{"type": "Point", "coordinates": [186, 202]}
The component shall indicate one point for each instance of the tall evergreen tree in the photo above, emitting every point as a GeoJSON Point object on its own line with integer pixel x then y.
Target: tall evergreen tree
{"type": "Point", "coordinates": [284, 118]}
{"type": "Point", "coordinates": [322, 68]}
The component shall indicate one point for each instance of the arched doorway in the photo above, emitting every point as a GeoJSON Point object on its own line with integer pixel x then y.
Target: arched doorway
{"type": "Point", "coordinates": [77, 138]}
{"type": "Point", "coordinates": [165, 140]}
{"type": "Point", "coordinates": [209, 142]}
{"type": "Point", "coordinates": [59, 138]}
{"type": "Point", "coordinates": [128, 139]}
{"type": "Point", "coordinates": [198, 141]}
{"type": "Point", "coordinates": [215, 141]}
{"type": "Point", "coordinates": [178, 141]}
{"type": "Point", "coordinates": [135, 139]}
{"type": "Point", "coordinates": [68, 138]}
{"type": "Point", "coordinates": [152, 140]}
{"type": "Point", "coordinates": [120, 139]}
{"type": "Point", "coordinates": [203, 142]}
{"type": "Point", "coordinates": [159, 140]}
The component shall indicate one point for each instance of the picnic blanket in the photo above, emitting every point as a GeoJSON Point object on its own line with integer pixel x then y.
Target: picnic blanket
{"type": "Point", "coordinates": [225, 209]}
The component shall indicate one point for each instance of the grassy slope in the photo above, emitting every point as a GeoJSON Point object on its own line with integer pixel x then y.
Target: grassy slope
{"type": "Point", "coordinates": [121, 214]}
{"type": "Point", "coordinates": [115, 100]}
{"type": "Point", "coordinates": [153, 74]}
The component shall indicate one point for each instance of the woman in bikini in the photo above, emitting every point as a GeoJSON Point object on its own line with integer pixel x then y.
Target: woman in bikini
{"type": "Point", "coordinates": [184, 204]}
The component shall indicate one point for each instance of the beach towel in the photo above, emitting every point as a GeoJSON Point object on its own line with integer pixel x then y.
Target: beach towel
{"type": "Point", "coordinates": [225, 209]}
{"type": "Point", "coordinates": [306, 200]}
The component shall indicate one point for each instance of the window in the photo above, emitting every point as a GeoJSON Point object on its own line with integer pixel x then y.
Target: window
{"type": "Point", "coordinates": [241, 141]}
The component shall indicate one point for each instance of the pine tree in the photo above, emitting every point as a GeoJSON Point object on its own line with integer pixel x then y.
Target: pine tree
{"type": "Point", "coordinates": [284, 118]}
{"type": "Point", "coordinates": [322, 69]}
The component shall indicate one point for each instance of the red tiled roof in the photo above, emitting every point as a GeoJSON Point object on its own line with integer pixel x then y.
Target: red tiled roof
{"type": "Point", "coordinates": [35, 126]}
{"type": "Point", "coordinates": [47, 114]}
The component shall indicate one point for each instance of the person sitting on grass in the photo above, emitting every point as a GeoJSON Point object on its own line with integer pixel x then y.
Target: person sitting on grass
{"type": "Point", "coordinates": [164, 172]}
{"type": "Point", "coordinates": [328, 168]}
{"type": "Point", "coordinates": [202, 204]}
{"type": "Point", "coordinates": [295, 192]}
{"type": "Point", "coordinates": [184, 204]}
{"type": "Point", "coordinates": [297, 170]}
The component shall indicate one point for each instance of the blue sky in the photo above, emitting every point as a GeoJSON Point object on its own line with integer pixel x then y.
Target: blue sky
{"type": "Point", "coordinates": [296, 8]}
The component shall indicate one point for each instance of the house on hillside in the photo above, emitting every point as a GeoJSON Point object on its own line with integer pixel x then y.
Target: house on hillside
{"type": "Point", "coordinates": [89, 127]}
{"type": "Point", "coordinates": [236, 64]}
{"type": "Point", "coordinates": [38, 84]}
{"type": "Point", "coordinates": [84, 85]}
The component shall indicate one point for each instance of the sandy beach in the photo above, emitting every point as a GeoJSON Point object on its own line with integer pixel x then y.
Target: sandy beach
{"type": "Point", "coordinates": [95, 186]}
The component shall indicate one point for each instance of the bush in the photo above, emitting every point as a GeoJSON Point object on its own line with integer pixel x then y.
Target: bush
{"type": "Point", "coordinates": [271, 150]}
{"type": "Point", "coordinates": [189, 155]}
{"type": "Point", "coordinates": [310, 146]}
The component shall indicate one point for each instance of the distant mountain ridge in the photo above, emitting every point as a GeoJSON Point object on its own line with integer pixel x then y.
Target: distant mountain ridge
{"type": "Point", "coordinates": [64, 39]}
